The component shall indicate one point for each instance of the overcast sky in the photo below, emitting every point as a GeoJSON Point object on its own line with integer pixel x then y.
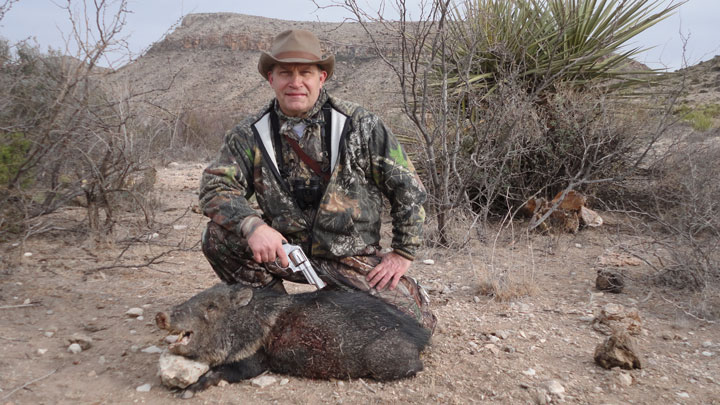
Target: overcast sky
{"type": "Point", "coordinates": [42, 20]}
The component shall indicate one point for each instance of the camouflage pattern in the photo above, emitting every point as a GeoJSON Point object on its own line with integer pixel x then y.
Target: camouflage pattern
{"type": "Point", "coordinates": [231, 258]}
{"type": "Point", "coordinates": [371, 164]}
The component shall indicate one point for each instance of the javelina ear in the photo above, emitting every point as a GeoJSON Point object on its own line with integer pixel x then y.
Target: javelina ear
{"type": "Point", "coordinates": [242, 296]}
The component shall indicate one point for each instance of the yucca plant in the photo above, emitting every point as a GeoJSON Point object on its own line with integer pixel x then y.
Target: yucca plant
{"type": "Point", "coordinates": [551, 41]}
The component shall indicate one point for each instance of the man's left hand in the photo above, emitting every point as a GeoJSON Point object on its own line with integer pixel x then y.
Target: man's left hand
{"type": "Point", "coordinates": [391, 268]}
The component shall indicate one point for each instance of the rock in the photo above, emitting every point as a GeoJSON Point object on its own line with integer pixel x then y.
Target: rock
{"type": "Point", "coordinates": [152, 349]}
{"type": "Point", "coordinates": [134, 312]}
{"type": "Point", "coordinates": [707, 344]}
{"type": "Point", "coordinates": [590, 218]}
{"type": "Point", "coordinates": [178, 371]}
{"type": "Point", "coordinates": [171, 338]}
{"type": "Point", "coordinates": [429, 262]}
{"type": "Point", "coordinates": [84, 341]}
{"type": "Point", "coordinates": [476, 299]}
{"type": "Point", "coordinates": [179, 227]}
{"type": "Point", "coordinates": [263, 381]}
{"type": "Point", "coordinates": [494, 339]}
{"type": "Point", "coordinates": [616, 318]}
{"type": "Point", "coordinates": [492, 348]}
{"type": "Point", "coordinates": [27, 254]}
{"type": "Point", "coordinates": [173, 165]}
{"type": "Point", "coordinates": [101, 360]}
{"type": "Point", "coordinates": [285, 381]}
{"type": "Point", "coordinates": [610, 280]}
{"type": "Point", "coordinates": [74, 348]}
{"type": "Point", "coordinates": [617, 351]}
{"type": "Point", "coordinates": [707, 354]}
{"type": "Point", "coordinates": [144, 388]}
{"type": "Point", "coordinates": [578, 245]}
{"type": "Point", "coordinates": [49, 334]}
{"type": "Point", "coordinates": [502, 334]}
{"type": "Point", "coordinates": [625, 379]}
{"type": "Point", "coordinates": [529, 372]}
{"type": "Point", "coordinates": [187, 394]}
{"type": "Point", "coordinates": [554, 387]}
{"type": "Point", "coordinates": [684, 395]}
{"type": "Point", "coordinates": [41, 351]}
{"type": "Point", "coordinates": [541, 397]}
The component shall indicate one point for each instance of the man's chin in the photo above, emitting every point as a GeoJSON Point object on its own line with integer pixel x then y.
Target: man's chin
{"type": "Point", "coordinates": [295, 109]}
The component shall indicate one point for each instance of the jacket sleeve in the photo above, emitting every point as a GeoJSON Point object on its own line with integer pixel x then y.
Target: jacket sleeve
{"type": "Point", "coordinates": [227, 184]}
{"type": "Point", "coordinates": [395, 175]}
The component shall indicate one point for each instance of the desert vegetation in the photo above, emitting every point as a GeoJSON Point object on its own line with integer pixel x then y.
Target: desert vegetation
{"type": "Point", "coordinates": [513, 100]}
{"type": "Point", "coordinates": [500, 103]}
{"type": "Point", "coordinates": [503, 102]}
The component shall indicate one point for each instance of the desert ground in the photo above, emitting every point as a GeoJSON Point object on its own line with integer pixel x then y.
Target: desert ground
{"type": "Point", "coordinates": [534, 346]}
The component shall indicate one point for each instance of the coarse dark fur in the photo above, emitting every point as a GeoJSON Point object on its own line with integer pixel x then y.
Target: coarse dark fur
{"type": "Point", "coordinates": [241, 332]}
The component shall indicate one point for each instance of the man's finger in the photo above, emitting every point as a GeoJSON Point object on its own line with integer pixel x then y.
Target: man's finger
{"type": "Point", "coordinates": [284, 261]}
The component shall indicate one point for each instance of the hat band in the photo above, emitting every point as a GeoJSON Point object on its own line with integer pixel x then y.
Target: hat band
{"type": "Point", "coordinates": [296, 55]}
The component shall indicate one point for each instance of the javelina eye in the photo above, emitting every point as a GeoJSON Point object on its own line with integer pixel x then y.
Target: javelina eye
{"type": "Point", "coordinates": [212, 307]}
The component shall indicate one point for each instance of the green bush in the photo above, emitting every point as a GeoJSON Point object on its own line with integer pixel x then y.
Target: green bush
{"type": "Point", "coordinates": [701, 118]}
{"type": "Point", "coordinates": [13, 149]}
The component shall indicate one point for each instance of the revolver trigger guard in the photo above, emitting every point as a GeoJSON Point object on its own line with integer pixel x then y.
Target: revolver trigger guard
{"type": "Point", "coordinates": [277, 263]}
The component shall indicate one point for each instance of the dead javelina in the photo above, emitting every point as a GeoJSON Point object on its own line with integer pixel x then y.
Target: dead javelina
{"type": "Point", "coordinates": [241, 332]}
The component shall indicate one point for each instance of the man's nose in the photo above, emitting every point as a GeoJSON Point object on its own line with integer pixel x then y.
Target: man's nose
{"type": "Point", "coordinates": [296, 79]}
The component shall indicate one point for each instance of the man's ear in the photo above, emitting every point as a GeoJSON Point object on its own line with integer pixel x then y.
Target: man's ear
{"type": "Point", "coordinates": [323, 77]}
{"type": "Point", "coordinates": [270, 77]}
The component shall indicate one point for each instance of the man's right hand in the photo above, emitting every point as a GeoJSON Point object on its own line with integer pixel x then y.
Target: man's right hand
{"type": "Point", "coordinates": [266, 245]}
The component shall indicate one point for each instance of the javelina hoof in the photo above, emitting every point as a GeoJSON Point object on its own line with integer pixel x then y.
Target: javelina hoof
{"type": "Point", "coordinates": [610, 280]}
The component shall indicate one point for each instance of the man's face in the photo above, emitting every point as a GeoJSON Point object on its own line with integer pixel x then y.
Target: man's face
{"type": "Point", "coordinates": [297, 86]}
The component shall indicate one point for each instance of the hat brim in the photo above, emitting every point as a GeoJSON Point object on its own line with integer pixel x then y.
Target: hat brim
{"type": "Point", "coordinates": [267, 61]}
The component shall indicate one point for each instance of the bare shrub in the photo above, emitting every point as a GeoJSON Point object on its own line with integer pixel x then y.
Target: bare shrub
{"type": "Point", "coordinates": [83, 142]}
{"type": "Point", "coordinates": [687, 225]}
{"type": "Point", "coordinates": [198, 134]}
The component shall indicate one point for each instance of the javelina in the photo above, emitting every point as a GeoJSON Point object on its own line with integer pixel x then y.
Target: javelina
{"type": "Point", "coordinates": [241, 332]}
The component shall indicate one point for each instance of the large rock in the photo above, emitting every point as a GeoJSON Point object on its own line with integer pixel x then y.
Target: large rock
{"type": "Point", "coordinates": [618, 350]}
{"type": "Point", "coordinates": [616, 318]}
{"type": "Point", "coordinates": [610, 280]}
{"type": "Point", "coordinates": [178, 371]}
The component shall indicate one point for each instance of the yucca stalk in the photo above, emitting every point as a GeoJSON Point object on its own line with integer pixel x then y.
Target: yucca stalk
{"type": "Point", "coordinates": [551, 41]}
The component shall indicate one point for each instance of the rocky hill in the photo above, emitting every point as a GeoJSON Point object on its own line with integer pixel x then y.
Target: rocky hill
{"type": "Point", "coordinates": [702, 82]}
{"type": "Point", "coordinates": [209, 63]}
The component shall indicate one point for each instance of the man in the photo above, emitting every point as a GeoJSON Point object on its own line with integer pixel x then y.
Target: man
{"type": "Point", "coordinates": [319, 168]}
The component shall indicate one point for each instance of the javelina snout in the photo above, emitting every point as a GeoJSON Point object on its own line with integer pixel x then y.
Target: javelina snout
{"type": "Point", "coordinates": [241, 332]}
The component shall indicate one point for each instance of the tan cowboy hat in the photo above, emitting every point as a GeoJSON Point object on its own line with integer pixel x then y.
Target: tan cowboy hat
{"type": "Point", "coordinates": [295, 46]}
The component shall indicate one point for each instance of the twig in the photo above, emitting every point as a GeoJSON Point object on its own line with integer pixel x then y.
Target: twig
{"type": "Point", "coordinates": [153, 260]}
{"type": "Point", "coordinates": [28, 383]}
{"type": "Point", "coordinates": [367, 386]}
{"type": "Point", "coordinates": [686, 312]}
{"type": "Point", "coordinates": [18, 306]}
{"type": "Point", "coordinates": [12, 339]}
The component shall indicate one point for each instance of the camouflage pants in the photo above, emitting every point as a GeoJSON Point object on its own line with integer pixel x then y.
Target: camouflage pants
{"type": "Point", "coordinates": [231, 258]}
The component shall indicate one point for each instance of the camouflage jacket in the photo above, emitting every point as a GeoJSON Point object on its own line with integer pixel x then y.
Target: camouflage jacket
{"type": "Point", "coordinates": [367, 162]}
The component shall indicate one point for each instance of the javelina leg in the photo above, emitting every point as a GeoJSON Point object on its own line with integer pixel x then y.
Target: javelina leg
{"type": "Point", "coordinates": [392, 358]}
{"type": "Point", "coordinates": [231, 372]}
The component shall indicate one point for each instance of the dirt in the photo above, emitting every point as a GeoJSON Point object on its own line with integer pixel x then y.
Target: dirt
{"type": "Point", "coordinates": [485, 350]}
